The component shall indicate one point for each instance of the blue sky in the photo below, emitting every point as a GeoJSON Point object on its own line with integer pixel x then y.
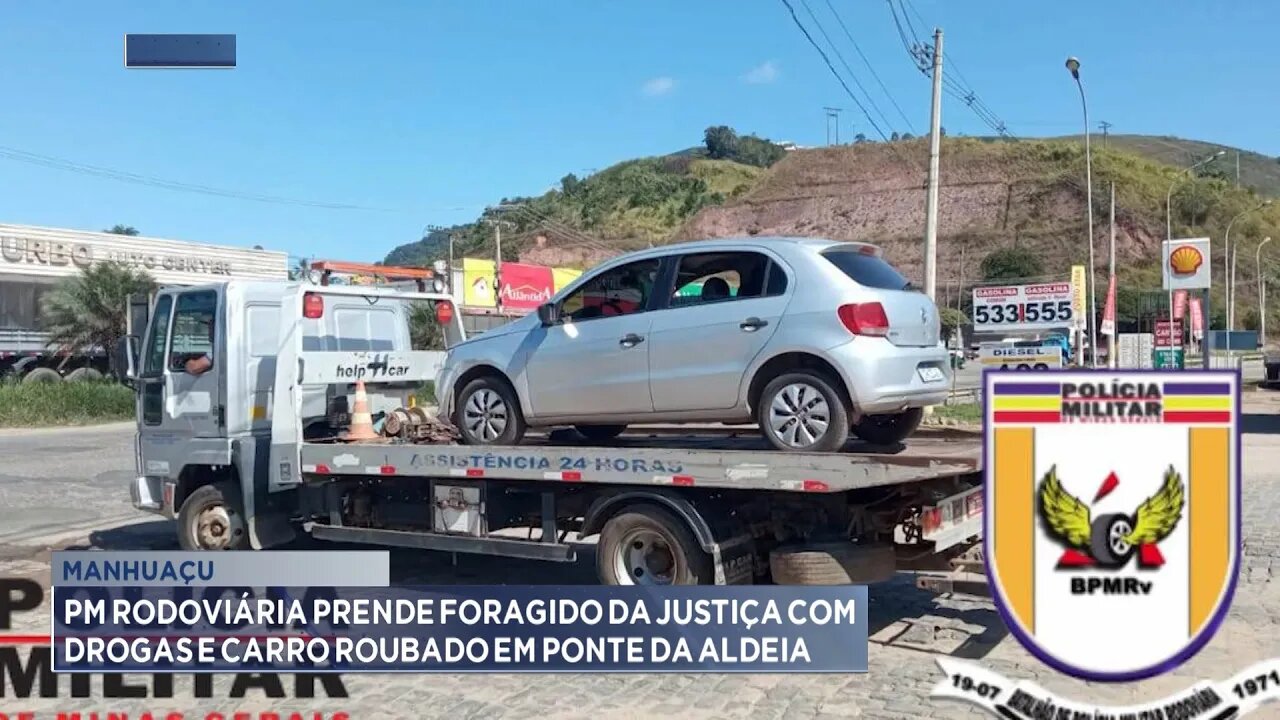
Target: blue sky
{"type": "Point", "coordinates": [427, 111]}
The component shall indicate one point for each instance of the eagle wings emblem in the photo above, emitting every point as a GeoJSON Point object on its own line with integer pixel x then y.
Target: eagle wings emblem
{"type": "Point", "coordinates": [1070, 520]}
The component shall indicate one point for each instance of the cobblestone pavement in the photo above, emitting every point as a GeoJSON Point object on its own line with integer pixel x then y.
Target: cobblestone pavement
{"type": "Point", "coordinates": [897, 685]}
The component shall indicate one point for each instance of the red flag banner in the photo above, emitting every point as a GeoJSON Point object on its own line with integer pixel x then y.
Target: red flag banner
{"type": "Point", "coordinates": [1179, 304]}
{"type": "Point", "coordinates": [1197, 318]}
{"type": "Point", "coordinates": [524, 287]}
{"type": "Point", "coordinates": [1109, 310]}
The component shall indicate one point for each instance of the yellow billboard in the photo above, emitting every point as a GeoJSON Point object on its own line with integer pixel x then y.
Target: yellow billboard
{"type": "Point", "coordinates": [1078, 312]}
{"type": "Point", "coordinates": [564, 276]}
{"type": "Point", "coordinates": [478, 287]}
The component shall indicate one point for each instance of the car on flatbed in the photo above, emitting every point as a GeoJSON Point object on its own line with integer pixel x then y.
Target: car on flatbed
{"type": "Point", "coordinates": [251, 449]}
{"type": "Point", "coordinates": [813, 340]}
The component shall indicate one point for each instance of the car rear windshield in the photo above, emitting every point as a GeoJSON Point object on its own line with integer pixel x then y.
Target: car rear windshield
{"type": "Point", "coordinates": [867, 270]}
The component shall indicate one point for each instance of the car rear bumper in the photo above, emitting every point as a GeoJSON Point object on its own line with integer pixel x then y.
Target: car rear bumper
{"type": "Point", "coordinates": [886, 378]}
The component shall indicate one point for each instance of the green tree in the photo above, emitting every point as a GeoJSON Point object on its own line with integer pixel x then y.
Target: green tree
{"type": "Point", "coordinates": [570, 184]}
{"type": "Point", "coordinates": [1013, 263]}
{"type": "Point", "coordinates": [88, 310]}
{"type": "Point", "coordinates": [122, 230]}
{"type": "Point", "coordinates": [425, 332]}
{"type": "Point", "coordinates": [895, 136]}
{"type": "Point", "coordinates": [721, 141]}
{"type": "Point", "coordinates": [859, 139]}
{"type": "Point", "coordinates": [951, 319]}
{"type": "Point", "coordinates": [755, 151]}
{"type": "Point", "coordinates": [907, 136]}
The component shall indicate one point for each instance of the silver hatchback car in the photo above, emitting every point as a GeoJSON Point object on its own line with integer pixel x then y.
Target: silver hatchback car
{"type": "Point", "coordinates": [813, 340]}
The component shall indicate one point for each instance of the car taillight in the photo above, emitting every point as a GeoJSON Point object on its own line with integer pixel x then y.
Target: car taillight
{"type": "Point", "coordinates": [312, 306]}
{"type": "Point", "coordinates": [444, 313]}
{"type": "Point", "coordinates": [865, 319]}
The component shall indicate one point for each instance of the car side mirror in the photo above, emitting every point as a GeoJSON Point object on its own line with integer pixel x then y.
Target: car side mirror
{"type": "Point", "coordinates": [549, 314]}
{"type": "Point", "coordinates": [125, 359]}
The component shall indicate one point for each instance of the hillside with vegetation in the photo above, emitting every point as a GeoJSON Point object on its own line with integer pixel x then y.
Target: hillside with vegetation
{"type": "Point", "coordinates": [1026, 196]}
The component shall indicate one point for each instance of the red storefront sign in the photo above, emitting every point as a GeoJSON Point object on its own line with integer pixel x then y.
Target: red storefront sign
{"type": "Point", "coordinates": [524, 287]}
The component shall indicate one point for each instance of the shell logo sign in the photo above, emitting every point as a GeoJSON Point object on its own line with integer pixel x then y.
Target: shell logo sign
{"type": "Point", "coordinates": [1185, 260]}
{"type": "Point", "coordinates": [1186, 264]}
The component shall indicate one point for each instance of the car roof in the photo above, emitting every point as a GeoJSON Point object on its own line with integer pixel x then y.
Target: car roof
{"type": "Point", "coordinates": [776, 241]}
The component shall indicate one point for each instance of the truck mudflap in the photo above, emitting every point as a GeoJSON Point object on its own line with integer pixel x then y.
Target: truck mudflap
{"type": "Point", "coordinates": [734, 561]}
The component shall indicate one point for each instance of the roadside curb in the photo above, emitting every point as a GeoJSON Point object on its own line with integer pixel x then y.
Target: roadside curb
{"type": "Point", "coordinates": [20, 431]}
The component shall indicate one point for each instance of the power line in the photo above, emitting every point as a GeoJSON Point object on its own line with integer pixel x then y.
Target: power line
{"type": "Point", "coordinates": [867, 62]}
{"type": "Point", "coordinates": [840, 56]}
{"type": "Point", "coordinates": [832, 68]}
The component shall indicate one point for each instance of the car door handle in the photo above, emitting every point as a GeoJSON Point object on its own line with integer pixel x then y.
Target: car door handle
{"type": "Point", "coordinates": [752, 324]}
{"type": "Point", "coordinates": [630, 340]}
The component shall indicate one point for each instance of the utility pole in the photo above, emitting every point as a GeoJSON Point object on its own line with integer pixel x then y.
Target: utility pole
{"type": "Point", "coordinates": [497, 256]}
{"type": "Point", "coordinates": [833, 114]}
{"type": "Point", "coordinates": [1237, 169]}
{"type": "Point", "coordinates": [1104, 126]}
{"type": "Point", "coordinates": [1112, 290]}
{"type": "Point", "coordinates": [931, 202]}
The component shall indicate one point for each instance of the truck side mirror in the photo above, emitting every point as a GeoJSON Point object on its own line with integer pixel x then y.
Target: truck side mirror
{"type": "Point", "coordinates": [549, 314]}
{"type": "Point", "coordinates": [125, 359]}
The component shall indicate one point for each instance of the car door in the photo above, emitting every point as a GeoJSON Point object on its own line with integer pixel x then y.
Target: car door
{"type": "Point", "coordinates": [724, 308]}
{"type": "Point", "coordinates": [193, 402]}
{"type": "Point", "coordinates": [595, 361]}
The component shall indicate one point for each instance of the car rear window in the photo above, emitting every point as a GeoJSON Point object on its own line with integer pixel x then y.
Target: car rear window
{"type": "Point", "coordinates": [867, 270]}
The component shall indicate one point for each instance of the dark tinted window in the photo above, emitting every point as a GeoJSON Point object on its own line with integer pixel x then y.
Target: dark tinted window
{"type": "Point", "coordinates": [867, 270]}
{"type": "Point", "coordinates": [621, 291]}
{"type": "Point", "coordinates": [714, 277]}
{"type": "Point", "coordinates": [193, 328]}
{"type": "Point", "coordinates": [777, 282]}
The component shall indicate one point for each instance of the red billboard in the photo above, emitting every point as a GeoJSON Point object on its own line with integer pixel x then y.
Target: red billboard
{"type": "Point", "coordinates": [524, 287]}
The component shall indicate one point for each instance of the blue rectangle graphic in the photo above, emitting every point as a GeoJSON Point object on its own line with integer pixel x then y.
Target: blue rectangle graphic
{"type": "Point", "coordinates": [496, 628]}
{"type": "Point", "coordinates": [179, 51]}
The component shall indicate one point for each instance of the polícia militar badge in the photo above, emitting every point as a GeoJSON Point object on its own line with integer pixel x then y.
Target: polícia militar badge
{"type": "Point", "coordinates": [1112, 514]}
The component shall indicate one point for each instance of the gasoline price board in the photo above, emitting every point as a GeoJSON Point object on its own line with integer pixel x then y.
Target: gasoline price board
{"type": "Point", "coordinates": [1022, 307]}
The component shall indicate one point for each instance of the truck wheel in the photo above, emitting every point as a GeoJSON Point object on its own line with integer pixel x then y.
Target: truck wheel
{"type": "Point", "coordinates": [1042, 366]}
{"type": "Point", "coordinates": [801, 411]}
{"type": "Point", "coordinates": [42, 375]}
{"type": "Point", "coordinates": [834, 563]}
{"type": "Point", "coordinates": [645, 545]}
{"type": "Point", "coordinates": [1106, 540]}
{"type": "Point", "coordinates": [889, 429]}
{"type": "Point", "coordinates": [212, 518]}
{"type": "Point", "coordinates": [84, 374]}
{"type": "Point", "coordinates": [488, 413]}
{"type": "Point", "coordinates": [600, 433]}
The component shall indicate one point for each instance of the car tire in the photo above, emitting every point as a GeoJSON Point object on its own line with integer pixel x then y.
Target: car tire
{"type": "Point", "coordinates": [600, 433]}
{"type": "Point", "coordinates": [833, 563]}
{"type": "Point", "coordinates": [84, 374]}
{"type": "Point", "coordinates": [645, 545]}
{"type": "Point", "coordinates": [488, 413]}
{"type": "Point", "coordinates": [821, 403]}
{"type": "Point", "coordinates": [41, 375]}
{"type": "Point", "coordinates": [212, 518]}
{"type": "Point", "coordinates": [1107, 550]}
{"type": "Point", "coordinates": [888, 429]}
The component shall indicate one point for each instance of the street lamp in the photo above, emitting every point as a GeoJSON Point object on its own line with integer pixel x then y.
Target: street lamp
{"type": "Point", "coordinates": [1228, 272]}
{"type": "Point", "coordinates": [1073, 65]}
{"type": "Point", "coordinates": [1262, 294]}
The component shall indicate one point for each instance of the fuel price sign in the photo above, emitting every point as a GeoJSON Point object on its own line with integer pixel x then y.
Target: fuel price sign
{"type": "Point", "coordinates": [1006, 308]}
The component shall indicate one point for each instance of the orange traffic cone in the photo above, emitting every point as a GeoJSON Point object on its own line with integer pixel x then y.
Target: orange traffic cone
{"type": "Point", "coordinates": [361, 427]}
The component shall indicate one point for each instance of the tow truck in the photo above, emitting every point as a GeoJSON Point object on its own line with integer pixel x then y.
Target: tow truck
{"type": "Point", "coordinates": [252, 453]}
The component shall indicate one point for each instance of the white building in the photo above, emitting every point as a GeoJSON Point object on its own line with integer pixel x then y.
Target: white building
{"type": "Point", "coordinates": [33, 259]}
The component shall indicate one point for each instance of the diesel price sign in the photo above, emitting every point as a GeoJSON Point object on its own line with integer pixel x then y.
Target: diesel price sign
{"type": "Point", "coordinates": [1022, 307]}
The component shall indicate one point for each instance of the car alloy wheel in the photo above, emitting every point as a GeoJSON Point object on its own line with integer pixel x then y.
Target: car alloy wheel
{"type": "Point", "coordinates": [799, 415]}
{"type": "Point", "coordinates": [485, 415]}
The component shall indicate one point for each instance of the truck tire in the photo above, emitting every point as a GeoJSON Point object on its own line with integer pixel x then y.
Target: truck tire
{"type": "Point", "coordinates": [834, 563]}
{"type": "Point", "coordinates": [84, 374]}
{"type": "Point", "coordinates": [822, 412]}
{"type": "Point", "coordinates": [645, 545]}
{"type": "Point", "coordinates": [212, 518]}
{"type": "Point", "coordinates": [889, 429]}
{"type": "Point", "coordinates": [487, 412]}
{"type": "Point", "coordinates": [41, 375]}
{"type": "Point", "coordinates": [600, 433]}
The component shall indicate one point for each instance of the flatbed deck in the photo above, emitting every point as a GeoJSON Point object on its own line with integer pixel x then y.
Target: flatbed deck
{"type": "Point", "coordinates": [731, 459]}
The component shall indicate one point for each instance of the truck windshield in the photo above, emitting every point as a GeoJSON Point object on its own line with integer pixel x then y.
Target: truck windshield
{"type": "Point", "coordinates": [867, 270]}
